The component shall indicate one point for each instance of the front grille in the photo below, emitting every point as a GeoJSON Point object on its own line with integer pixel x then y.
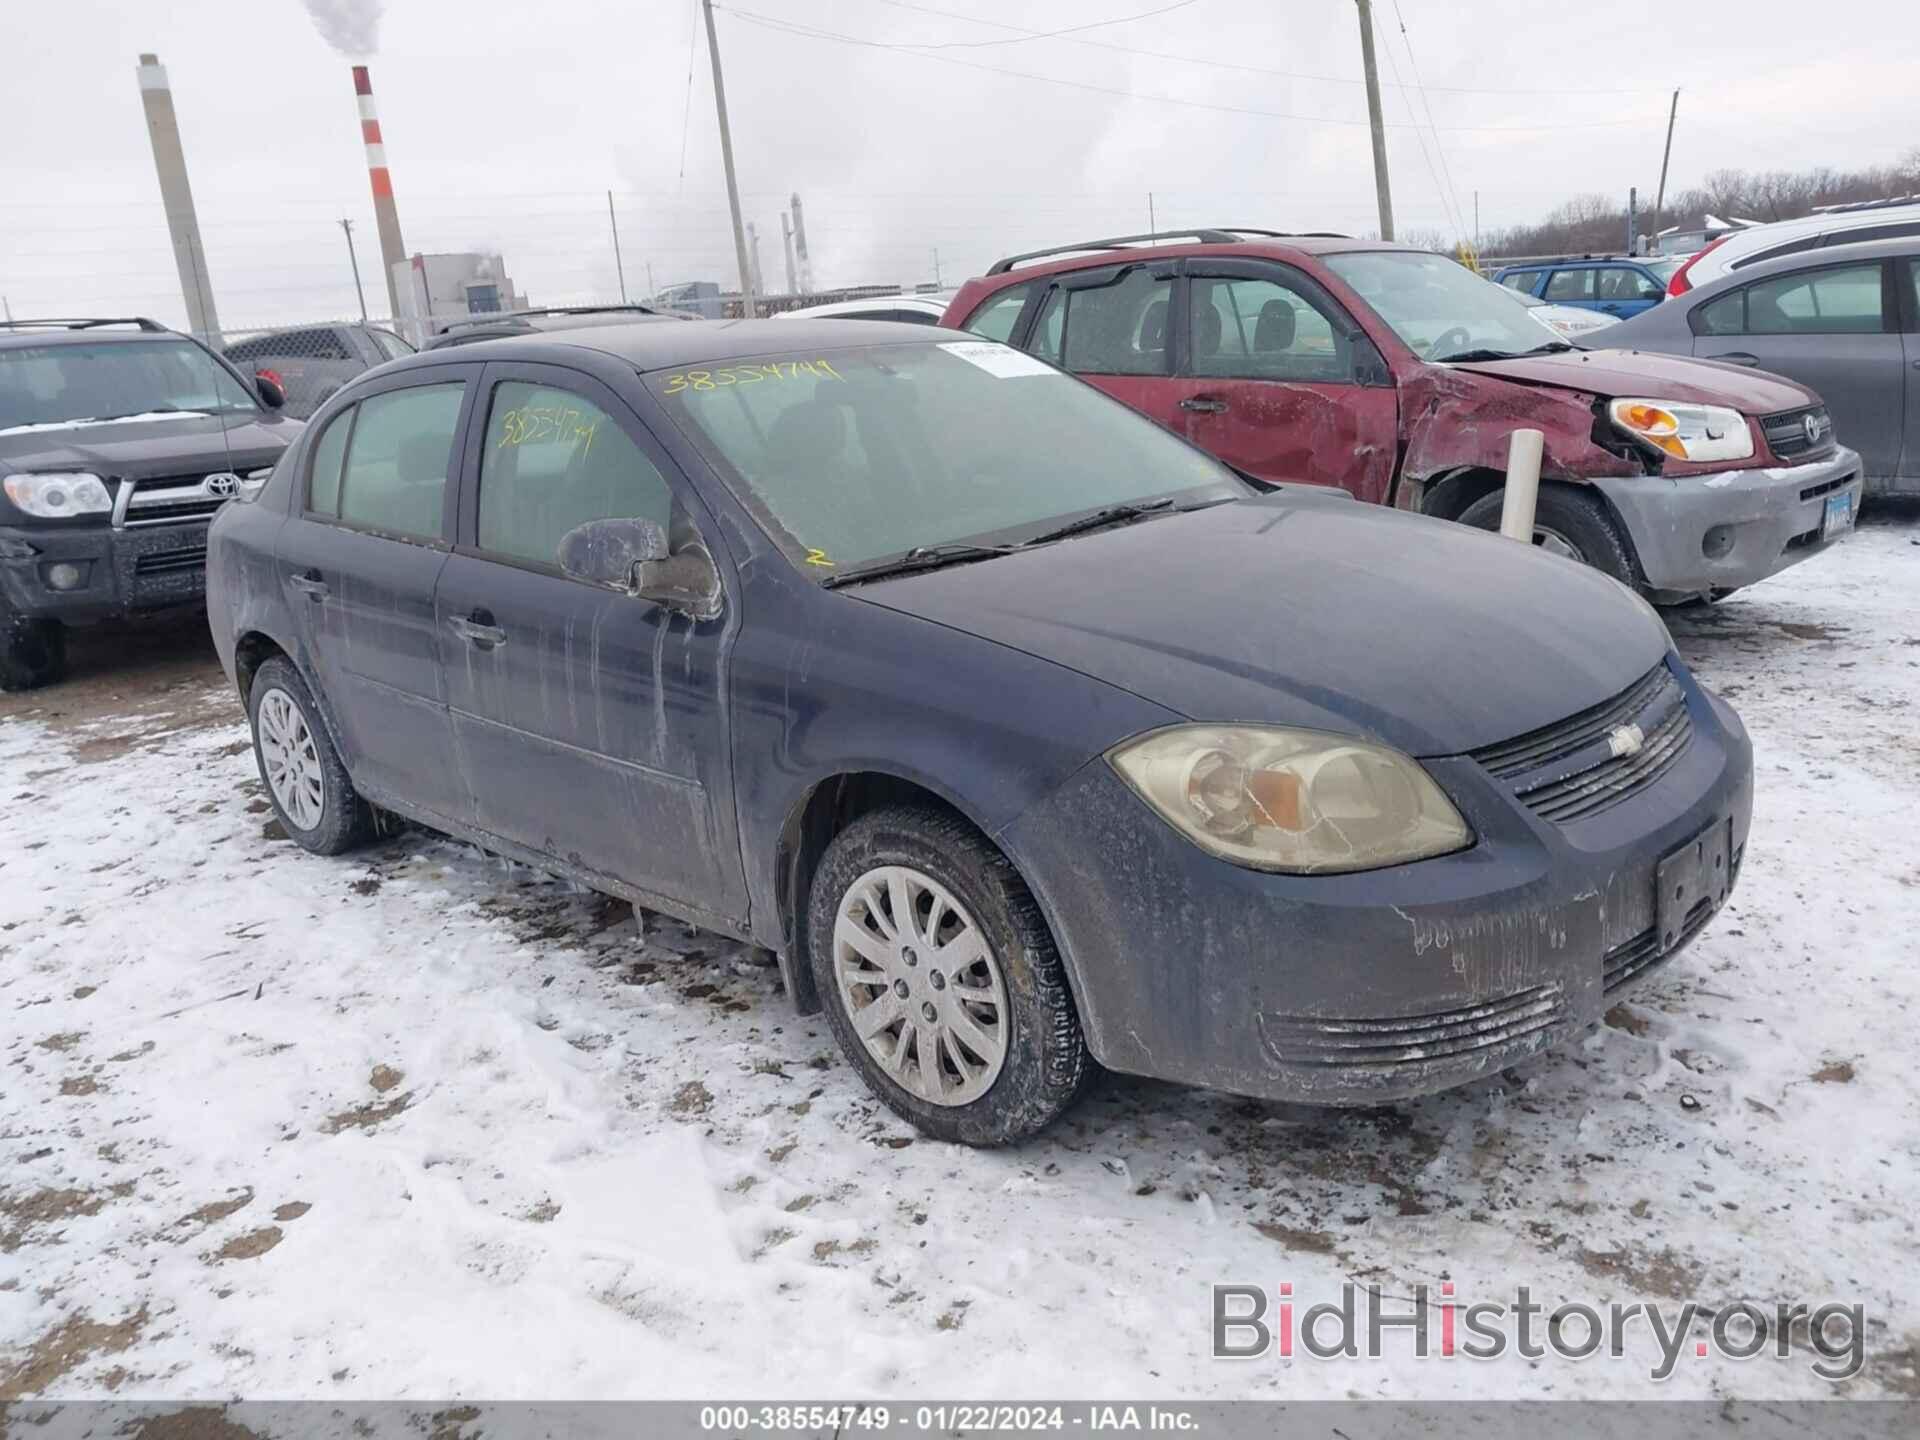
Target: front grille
{"type": "Point", "coordinates": [168, 500]}
{"type": "Point", "coordinates": [1814, 492]}
{"type": "Point", "coordinates": [1574, 768]}
{"type": "Point", "coordinates": [1787, 433]}
{"type": "Point", "coordinates": [1413, 1039]}
{"type": "Point", "coordinates": [168, 562]}
{"type": "Point", "coordinates": [1633, 959]}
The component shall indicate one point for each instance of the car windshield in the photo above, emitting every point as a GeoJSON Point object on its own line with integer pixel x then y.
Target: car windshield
{"type": "Point", "coordinates": [71, 384]}
{"type": "Point", "coordinates": [864, 454]}
{"type": "Point", "coordinates": [1441, 309]}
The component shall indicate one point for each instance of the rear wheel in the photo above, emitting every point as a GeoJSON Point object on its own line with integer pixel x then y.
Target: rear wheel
{"type": "Point", "coordinates": [306, 782]}
{"type": "Point", "coordinates": [32, 652]}
{"type": "Point", "coordinates": [941, 980]}
{"type": "Point", "coordinates": [1567, 523]}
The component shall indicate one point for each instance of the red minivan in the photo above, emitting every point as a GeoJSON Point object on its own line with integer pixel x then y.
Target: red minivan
{"type": "Point", "coordinates": [1399, 376]}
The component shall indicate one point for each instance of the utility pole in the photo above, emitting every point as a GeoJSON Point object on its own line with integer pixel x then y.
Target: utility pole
{"type": "Point", "coordinates": [936, 267]}
{"type": "Point", "coordinates": [726, 159]}
{"type": "Point", "coordinates": [1660, 197]}
{"type": "Point", "coordinates": [1633, 205]}
{"type": "Point", "coordinates": [1476, 222]}
{"type": "Point", "coordinates": [1152, 229]}
{"type": "Point", "coordinates": [618, 268]}
{"type": "Point", "coordinates": [354, 260]}
{"type": "Point", "coordinates": [1382, 191]}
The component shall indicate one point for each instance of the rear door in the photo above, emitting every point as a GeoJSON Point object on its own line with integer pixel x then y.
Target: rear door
{"type": "Point", "coordinates": [1909, 469]}
{"type": "Point", "coordinates": [360, 559]}
{"type": "Point", "coordinates": [1832, 328]}
{"type": "Point", "coordinates": [1572, 285]}
{"type": "Point", "coordinates": [589, 723]}
{"type": "Point", "coordinates": [1112, 326]}
{"type": "Point", "coordinates": [1276, 379]}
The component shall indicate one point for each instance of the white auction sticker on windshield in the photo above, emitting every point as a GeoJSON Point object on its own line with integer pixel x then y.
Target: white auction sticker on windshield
{"type": "Point", "coordinates": [1000, 360]}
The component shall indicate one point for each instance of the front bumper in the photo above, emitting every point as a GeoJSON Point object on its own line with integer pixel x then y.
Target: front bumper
{"type": "Point", "coordinates": [126, 572]}
{"type": "Point", "coordinates": [1699, 533]}
{"type": "Point", "coordinates": [1356, 989]}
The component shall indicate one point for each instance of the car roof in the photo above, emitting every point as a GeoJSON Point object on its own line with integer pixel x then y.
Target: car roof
{"type": "Point", "coordinates": [1098, 253]}
{"type": "Point", "coordinates": [933, 304]}
{"type": "Point", "coordinates": [14, 333]}
{"type": "Point", "coordinates": [1815, 259]}
{"type": "Point", "coordinates": [646, 345]}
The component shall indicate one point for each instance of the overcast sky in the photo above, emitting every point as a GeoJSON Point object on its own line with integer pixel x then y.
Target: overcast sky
{"type": "Point", "coordinates": [507, 124]}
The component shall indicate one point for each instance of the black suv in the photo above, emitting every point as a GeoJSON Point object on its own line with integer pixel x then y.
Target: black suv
{"type": "Point", "coordinates": [119, 439]}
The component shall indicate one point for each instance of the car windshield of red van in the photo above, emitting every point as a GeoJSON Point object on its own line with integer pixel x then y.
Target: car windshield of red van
{"type": "Point", "coordinates": [1441, 309]}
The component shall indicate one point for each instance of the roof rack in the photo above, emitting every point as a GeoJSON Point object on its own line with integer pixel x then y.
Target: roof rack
{"type": "Point", "coordinates": [1889, 203]}
{"type": "Point", "coordinates": [1230, 235]}
{"type": "Point", "coordinates": [62, 322]}
{"type": "Point", "coordinates": [500, 317]}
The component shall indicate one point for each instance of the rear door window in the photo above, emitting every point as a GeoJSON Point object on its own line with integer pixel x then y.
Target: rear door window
{"type": "Point", "coordinates": [323, 479]}
{"type": "Point", "coordinates": [1116, 329]}
{"type": "Point", "coordinates": [553, 461]}
{"type": "Point", "coordinates": [395, 477]}
{"type": "Point", "coordinates": [1725, 316]}
{"type": "Point", "coordinates": [1623, 282]}
{"type": "Point", "coordinates": [1570, 285]}
{"type": "Point", "coordinates": [1845, 300]}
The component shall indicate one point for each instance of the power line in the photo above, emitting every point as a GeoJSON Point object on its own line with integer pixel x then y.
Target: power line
{"type": "Point", "coordinates": [814, 33]}
{"type": "Point", "coordinates": [1230, 65]}
{"type": "Point", "coordinates": [1022, 39]}
{"type": "Point", "coordinates": [1451, 197]}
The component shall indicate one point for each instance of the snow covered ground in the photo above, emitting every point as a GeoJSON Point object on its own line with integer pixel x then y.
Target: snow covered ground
{"type": "Point", "coordinates": [419, 1123]}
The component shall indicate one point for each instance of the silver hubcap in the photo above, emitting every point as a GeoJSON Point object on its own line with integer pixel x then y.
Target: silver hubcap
{"type": "Point", "coordinates": [921, 986]}
{"type": "Point", "coordinates": [1554, 543]}
{"type": "Point", "coordinates": [292, 761]}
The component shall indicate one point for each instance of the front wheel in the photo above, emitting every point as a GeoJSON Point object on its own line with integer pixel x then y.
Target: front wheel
{"type": "Point", "coordinates": [311, 793]}
{"type": "Point", "coordinates": [1566, 523]}
{"type": "Point", "coordinates": [32, 652]}
{"type": "Point", "coordinates": [941, 980]}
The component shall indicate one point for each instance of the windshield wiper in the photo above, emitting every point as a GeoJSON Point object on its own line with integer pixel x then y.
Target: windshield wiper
{"type": "Point", "coordinates": [1552, 347]}
{"type": "Point", "coordinates": [920, 557]}
{"type": "Point", "coordinates": [1471, 355]}
{"type": "Point", "coordinates": [1107, 515]}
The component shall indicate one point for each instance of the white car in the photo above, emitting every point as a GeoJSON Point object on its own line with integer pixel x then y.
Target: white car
{"type": "Point", "coordinates": [1569, 322]}
{"type": "Point", "coordinates": [1841, 225]}
{"type": "Point", "coordinates": [914, 309]}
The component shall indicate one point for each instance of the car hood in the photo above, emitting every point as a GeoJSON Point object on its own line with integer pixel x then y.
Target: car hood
{"type": "Point", "coordinates": [1615, 373]}
{"type": "Point", "coordinates": [151, 447]}
{"type": "Point", "coordinates": [1306, 609]}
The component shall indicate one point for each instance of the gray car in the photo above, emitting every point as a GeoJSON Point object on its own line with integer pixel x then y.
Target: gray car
{"type": "Point", "coordinates": [1844, 321]}
{"type": "Point", "coordinates": [314, 361]}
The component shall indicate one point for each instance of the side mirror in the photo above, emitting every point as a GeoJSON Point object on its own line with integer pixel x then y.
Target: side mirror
{"type": "Point", "coordinates": [273, 394]}
{"type": "Point", "coordinates": [632, 556]}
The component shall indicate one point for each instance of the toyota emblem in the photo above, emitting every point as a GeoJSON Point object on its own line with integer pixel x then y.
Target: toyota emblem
{"type": "Point", "coordinates": [223, 484]}
{"type": "Point", "coordinates": [1815, 426]}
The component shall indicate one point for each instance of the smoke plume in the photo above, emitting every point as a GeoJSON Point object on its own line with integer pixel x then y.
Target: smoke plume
{"type": "Point", "coordinates": [350, 26]}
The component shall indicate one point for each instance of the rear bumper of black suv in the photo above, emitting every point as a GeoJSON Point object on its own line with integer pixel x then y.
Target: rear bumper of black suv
{"type": "Point", "coordinates": [121, 571]}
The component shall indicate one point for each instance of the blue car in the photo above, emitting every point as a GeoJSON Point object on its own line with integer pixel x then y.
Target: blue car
{"type": "Point", "coordinates": [1026, 735]}
{"type": "Point", "coordinates": [1616, 286]}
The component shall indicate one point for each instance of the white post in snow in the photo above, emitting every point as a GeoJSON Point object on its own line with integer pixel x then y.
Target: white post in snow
{"type": "Point", "coordinates": [1523, 485]}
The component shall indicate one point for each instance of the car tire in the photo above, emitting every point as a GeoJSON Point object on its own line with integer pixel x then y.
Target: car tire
{"type": "Point", "coordinates": [32, 652]}
{"type": "Point", "coordinates": [1566, 521]}
{"type": "Point", "coordinates": [975, 903]}
{"type": "Point", "coordinates": [307, 785]}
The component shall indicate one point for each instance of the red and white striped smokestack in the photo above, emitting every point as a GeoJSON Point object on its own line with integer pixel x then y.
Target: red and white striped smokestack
{"type": "Point", "coordinates": [392, 250]}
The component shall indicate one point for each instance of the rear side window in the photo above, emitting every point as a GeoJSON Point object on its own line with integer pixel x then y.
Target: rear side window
{"type": "Point", "coordinates": [555, 460]}
{"type": "Point", "coordinates": [395, 476]}
{"type": "Point", "coordinates": [1117, 329]}
{"type": "Point", "coordinates": [1725, 316]}
{"type": "Point", "coordinates": [995, 319]}
{"type": "Point", "coordinates": [1521, 280]}
{"type": "Point", "coordinates": [391, 346]}
{"type": "Point", "coordinates": [1842, 301]}
{"type": "Point", "coordinates": [1570, 285]}
{"type": "Point", "coordinates": [1262, 330]}
{"type": "Point", "coordinates": [323, 484]}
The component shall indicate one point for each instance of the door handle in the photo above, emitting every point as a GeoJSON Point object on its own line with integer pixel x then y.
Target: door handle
{"type": "Point", "coordinates": [478, 629]}
{"type": "Point", "coordinates": [1203, 405]}
{"type": "Point", "coordinates": [1738, 357]}
{"type": "Point", "coordinates": [310, 583]}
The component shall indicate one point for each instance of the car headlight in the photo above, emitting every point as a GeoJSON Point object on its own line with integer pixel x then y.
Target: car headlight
{"type": "Point", "coordinates": [1292, 800]}
{"type": "Point", "coordinates": [1686, 432]}
{"type": "Point", "coordinates": [58, 496]}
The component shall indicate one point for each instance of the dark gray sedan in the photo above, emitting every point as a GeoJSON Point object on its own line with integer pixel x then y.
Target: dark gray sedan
{"type": "Point", "coordinates": [1025, 734]}
{"type": "Point", "coordinates": [1843, 320]}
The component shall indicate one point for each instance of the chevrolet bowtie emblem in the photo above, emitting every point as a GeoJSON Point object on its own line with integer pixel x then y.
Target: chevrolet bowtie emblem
{"type": "Point", "coordinates": [1626, 739]}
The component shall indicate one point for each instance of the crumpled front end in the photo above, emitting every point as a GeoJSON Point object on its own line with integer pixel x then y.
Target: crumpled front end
{"type": "Point", "coordinates": [1603, 845]}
